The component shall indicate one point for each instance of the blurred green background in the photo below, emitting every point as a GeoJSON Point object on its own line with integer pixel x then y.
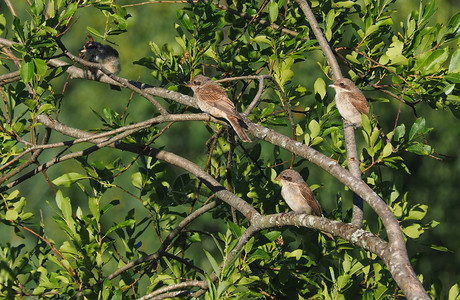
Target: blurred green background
{"type": "Point", "coordinates": [432, 182]}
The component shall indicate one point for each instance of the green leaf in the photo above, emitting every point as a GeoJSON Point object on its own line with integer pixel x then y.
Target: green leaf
{"type": "Point", "coordinates": [440, 248]}
{"type": "Point", "coordinates": [68, 178]}
{"type": "Point", "coordinates": [121, 22]}
{"type": "Point", "coordinates": [320, 87]}
{"type": "Point", "coordinates": [454, 22]}
{"type": "Point", "coordinates": [296, 253]}
{"type": "Point", "coordinates": [107, 207]}
{"type": "Point", "coordinates": [317, 140]}
{"type": "Point", "coordinates": [263, 39]}
{"type": "Point", "coordinates": [454, 66]}
{"type": "Point", "coordinates": [117, 295]}
{"type": "Point", "coordinates": [314, 128]}
{"type": "Point", "coordinates": [11, 215]}
{"type": "Point", "coordinates": [13, 195]}
{"type": "Point", "coordinates": [272, 235]}
{"type": "Point", "coordinates": [194, 238]}
{"type": "Point", "coordinates": [222, 289]}
{"type": "Point", "coordinates": [454, 292]}
{"type": "Point", "coordinates": [330, 17]}
{"type": "Point", "coordinates": [420, 149]}
{"type": "Point", "coordinates": [45, 108]}
{"type": "Point", "coordinates": [185, 20]}
{"type": "Point", "coordinates": [454, 77]}
{"type": "Point", "coordinates": [27, 69]}
{"type": "Point", "coordinates": [387, 150]}
{"type": "Point", "coordinates": [94, 32]}
{"type": "Point", "coordinates": [345, 4]}
{"type": "Point", "coordinates": [413, 231]}
{"type": "Point", "coordinates": [417, 213]}
{"type": "Point", "coordinates": [307, 139]}
{"type": "Point", "coordinates": [26, 216]}
{"type": "Point", "coordinates": [137, 180]}
{"type": "Point", "coordinates": [428, 12]}
{"type": "Point", "coordinates": [18, 28]}
{"type": "Point", "coordinates": [417, 128]}
{"type": "Point", "coordinates": [2, 24]}
{"type": "Point", "coordinates": [400, 132]}
{"type": "Point", "coordinates": [93, 204]}
{"type": "Point", "coordinates": [366, 124]}
{"type": "Point", "coordinates": [182, 42]}
{"type": "Point", "coordinates": [394, 52]}
{"type": "Point", "coordinates": [429, 62]}
{"type": "Point", "coordinates": [267, 110]}
{"type": "Point", "coordinates": [371, 29]}
{"type": "Point", "coordinates": [121, 225]}
{"type": "Point", "coordinates": [70, 10]}
{"type": "Point", "coordinates": [64, 205]}
{"type": "Point", "coordinates": [51, 9]}
{"type": "Point", "coordinates": [214, 264]}
{"type": "Point", "coordinates": [40, 66]}
{"type": "Point", "coordinates": [273, 11]}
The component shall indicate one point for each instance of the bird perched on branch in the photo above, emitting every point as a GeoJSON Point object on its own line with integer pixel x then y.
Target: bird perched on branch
{"type": "Point", "coordinates": [298, 195]}
{"type": "Point", "coordinates": [350, 101]}
{"type": "Point", "coordinates": [212, 99]}
{"type": "Point", "coordinates": [105, 55]}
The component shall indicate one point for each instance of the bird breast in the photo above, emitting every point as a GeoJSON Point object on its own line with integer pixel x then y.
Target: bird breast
{"type": "Point", "coordinates": [294, 199]}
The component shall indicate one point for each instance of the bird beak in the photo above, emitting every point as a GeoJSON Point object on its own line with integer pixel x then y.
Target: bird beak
{"type": "Point", "coordinates": [333, 85]}
{"type": "Point", "coordinates": [278, 178]}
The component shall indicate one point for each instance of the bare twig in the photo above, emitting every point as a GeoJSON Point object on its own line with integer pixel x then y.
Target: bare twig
{"type": "Point", "coordinates": [31, 160]}
{"type": "Point", "coordinates": [10, 77]}
{"type": "Point", "coordinates": [11, 7]}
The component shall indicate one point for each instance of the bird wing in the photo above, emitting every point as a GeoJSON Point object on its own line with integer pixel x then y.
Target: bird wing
{"type": "Point", "coordinates": [216, 96]}
{"type": "Point", "coordinates": [308, 195]}
{"type": "Point", "coordinates": [359, 101]}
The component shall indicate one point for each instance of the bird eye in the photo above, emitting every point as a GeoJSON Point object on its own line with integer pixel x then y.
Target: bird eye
{"type": "Point", "coordinates": [342, 84]}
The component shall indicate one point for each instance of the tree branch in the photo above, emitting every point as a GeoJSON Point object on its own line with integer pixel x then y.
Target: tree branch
{"type": "Point", "coordinates": [350, 142]}
{"type": "Point", "coordinates": [398, 263]}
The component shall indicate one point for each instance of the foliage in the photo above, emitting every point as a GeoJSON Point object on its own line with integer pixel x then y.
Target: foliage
{"type": "Point", "coordinates": [416, 66]}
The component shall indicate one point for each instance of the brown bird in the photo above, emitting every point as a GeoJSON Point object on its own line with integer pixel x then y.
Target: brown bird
{"type": "Point", "coordinates": [350, 101]}
{"type": "Point", "coordinates": [212, 99]}
{"type": "Point", "coordinates": [103, 54]}
{"type": "Point", "coordinates": [297, 193]}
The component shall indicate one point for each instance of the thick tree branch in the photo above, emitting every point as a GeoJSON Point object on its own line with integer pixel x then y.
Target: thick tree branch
{"type": "Point", "coordinates": [398, 262]}
{"type": "Point", "coordinates": [161, 293]}
{"type": "Point", "coordinates": [399, 265]}
{"type": "Point", "coordinates": [82, 136]}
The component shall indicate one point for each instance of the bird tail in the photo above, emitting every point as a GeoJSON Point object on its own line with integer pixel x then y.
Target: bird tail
{"type": "Point", "coordinates": [235, 122]}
